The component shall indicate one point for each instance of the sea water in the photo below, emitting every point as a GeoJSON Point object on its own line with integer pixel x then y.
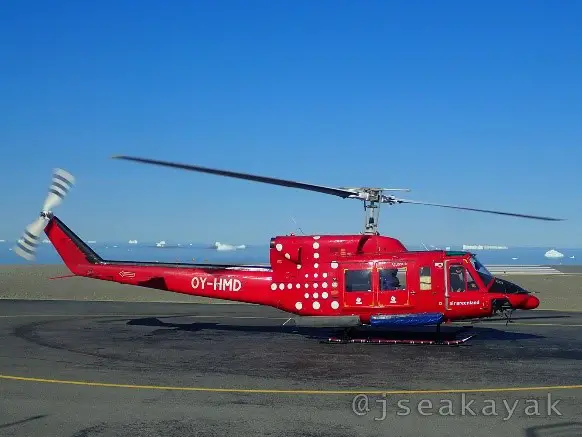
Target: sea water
{"type": "Point", "coordinates": [259, 254]}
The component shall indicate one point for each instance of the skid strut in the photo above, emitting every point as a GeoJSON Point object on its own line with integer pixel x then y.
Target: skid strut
{"type": "Point", "coordinates": [347, 337]}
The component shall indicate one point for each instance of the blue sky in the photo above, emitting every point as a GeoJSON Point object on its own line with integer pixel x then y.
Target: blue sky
{"type": "Point", "coordinates": [471, 103]}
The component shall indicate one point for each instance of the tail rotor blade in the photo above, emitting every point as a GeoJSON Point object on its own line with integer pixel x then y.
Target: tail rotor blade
{"type": "Point", "coordinates": [61, 185]}
{"type": "Point", "coordinates": [26, 246]}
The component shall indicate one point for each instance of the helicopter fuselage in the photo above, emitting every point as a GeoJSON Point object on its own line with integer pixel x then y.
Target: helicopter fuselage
{"type": "Point", "coordinates": [327, 275]}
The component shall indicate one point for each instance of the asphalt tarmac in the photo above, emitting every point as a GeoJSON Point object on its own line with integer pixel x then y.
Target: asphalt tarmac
{"type": "Point", "coordinates": [87, 369]}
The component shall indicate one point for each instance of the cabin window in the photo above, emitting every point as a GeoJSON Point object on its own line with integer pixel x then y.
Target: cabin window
{"type": "Point", "coordinates": [425, 278]}
{"type": "Point", "coordinates": [460, 279]}
{"type": "Point", "coordinates": [392, 279]}
{"type": "Point", "coordinates": [358, 280]}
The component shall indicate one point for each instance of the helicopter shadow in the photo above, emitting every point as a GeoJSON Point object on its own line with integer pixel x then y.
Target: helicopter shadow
{"type": "Point", "coordinates": [324, 333]}
{"type": "Point", "coordinates": [154, 322]}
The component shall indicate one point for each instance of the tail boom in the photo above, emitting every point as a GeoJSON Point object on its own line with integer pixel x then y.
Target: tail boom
{"type": "Point", "coordinates": [235, 283]}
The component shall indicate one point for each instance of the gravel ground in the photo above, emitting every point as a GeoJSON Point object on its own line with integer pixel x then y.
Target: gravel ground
{"type": "Point", "coordinates": [557, 292]}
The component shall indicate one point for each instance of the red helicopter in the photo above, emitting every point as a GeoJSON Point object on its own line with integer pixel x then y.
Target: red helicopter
{"type": "Point", "coordinates": [365, 280]}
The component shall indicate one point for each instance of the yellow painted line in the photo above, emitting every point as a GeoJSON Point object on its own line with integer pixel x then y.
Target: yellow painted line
{"type": "Point", "coordinates": [287, 391]}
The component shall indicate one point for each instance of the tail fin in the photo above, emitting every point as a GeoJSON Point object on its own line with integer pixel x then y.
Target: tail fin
{"type": "Point", "coordinates": [74, 252]}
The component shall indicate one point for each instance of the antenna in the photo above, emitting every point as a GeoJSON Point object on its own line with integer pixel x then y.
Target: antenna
{"type": "Point", "coordinates": [298, 227]}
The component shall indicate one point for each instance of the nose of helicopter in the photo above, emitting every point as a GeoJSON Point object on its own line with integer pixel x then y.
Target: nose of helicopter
{"type": "Point", "coordinates": [531, 303]}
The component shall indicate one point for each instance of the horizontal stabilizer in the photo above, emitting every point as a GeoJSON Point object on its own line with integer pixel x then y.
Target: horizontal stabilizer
{"type": "Point", "coordinates": [394, 320]}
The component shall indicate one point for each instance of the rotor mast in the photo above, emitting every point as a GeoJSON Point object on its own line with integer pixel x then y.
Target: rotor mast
{"type": "Point", "coordinates": [372, 210]}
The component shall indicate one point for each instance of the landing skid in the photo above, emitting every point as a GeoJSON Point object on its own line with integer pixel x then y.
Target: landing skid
{"type": "Point", "coordinates": [339, 340]}
{"type": "Point", "coordinates": [402, 338]}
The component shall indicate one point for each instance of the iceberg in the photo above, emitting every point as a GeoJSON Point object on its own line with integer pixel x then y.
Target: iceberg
{"type": "Point", "coordinates": [553, 254]}
{"type": "Point", "coordinates": [222, 246]}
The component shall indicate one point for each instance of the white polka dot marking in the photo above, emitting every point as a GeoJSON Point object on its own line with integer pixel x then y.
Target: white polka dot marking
{"type": "Point", "coordinates": [324, 295]}
{"type": "Point", "coordinates": [281, 286]}
{"type": "Point", "coordinates": [315, 295]}
{"type": "Point", "coordinates": [289, 286]}
{"type": "Point", "coordinates": [335, 305]}
{"type": "Point", "coordinates": [316, 305]}
{"type": "Point", "coordinates": [279, 247]}
{"type": "Point", "coordinates": [273, 287]}
{"type": "Point", "coordinates": [316, 245]}
{"type": "Point", "coordinates": [325, 275]}
{"type": "Point", "coordinates": [316, 255]}
{"type": "Point", "coordinates": [298, 305]}
{"type": "Point", "coordinates": [306, 295]}
{"type": "Point", "coordinates": [324, 285]}
{"type": "Point", "coordinates": [287, 256]}
{"type": "Point", "coordinates": [316, 265]}
{"type": "Point", "coordinates": [334, 265]}
{"type": "Point", "coordinates": [315, 285]}
{"type": "Point", "coordinates": [316, 237]}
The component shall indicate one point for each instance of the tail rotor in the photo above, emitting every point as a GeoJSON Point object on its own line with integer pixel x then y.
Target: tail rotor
{"type": "Point", "coordinates": [62, 182]}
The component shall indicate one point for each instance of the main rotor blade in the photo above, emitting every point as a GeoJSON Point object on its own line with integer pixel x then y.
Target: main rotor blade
{"type": "Point", "coordinates": [249, 177]}
{"type": "Point", "coordinates": [478, 210]}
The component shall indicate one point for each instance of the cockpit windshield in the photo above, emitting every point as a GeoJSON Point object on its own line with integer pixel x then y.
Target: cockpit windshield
{"type": "Point", "coordinates": [485, 274]}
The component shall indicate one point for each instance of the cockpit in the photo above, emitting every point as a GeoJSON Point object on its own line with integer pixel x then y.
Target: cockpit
{"type": "Point", "coordinates": [493, 284]}
{"type": "Point", "coordinates": [482, 271]}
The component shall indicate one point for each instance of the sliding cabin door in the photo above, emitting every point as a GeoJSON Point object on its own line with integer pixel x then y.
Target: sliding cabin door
{"type": "Point", "coordinates": [395, 283]}
{"type": "Point", "coordinates": [356, 282]}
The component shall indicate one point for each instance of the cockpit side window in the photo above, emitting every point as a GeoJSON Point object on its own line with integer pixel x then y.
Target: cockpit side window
{"type": "Point", "coordinates": [471, 283]}
{"type": "Point", "coordinates": [461, 279]}
{"type": "Point", "coordinates": [457, 278]}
